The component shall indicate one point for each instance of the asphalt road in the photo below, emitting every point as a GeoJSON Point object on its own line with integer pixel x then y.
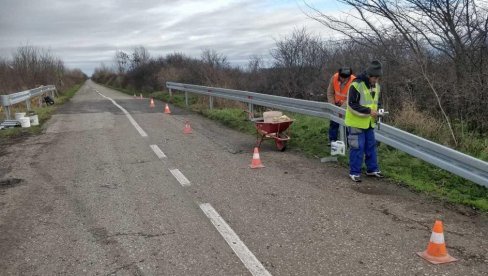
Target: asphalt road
{"type": "Point", "coordinates": [98, 193]}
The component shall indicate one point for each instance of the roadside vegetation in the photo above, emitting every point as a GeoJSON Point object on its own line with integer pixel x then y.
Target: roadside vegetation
{"type": "Point", "coordinates": [28, 68]}
{"type": "Point", "coordinates": [434, 55]}
{"type": "Point", "coordinates": [42, 111]}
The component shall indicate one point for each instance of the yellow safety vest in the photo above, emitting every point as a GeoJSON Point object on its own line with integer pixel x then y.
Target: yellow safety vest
{"type": "Point", "coordinates": [360, 120]}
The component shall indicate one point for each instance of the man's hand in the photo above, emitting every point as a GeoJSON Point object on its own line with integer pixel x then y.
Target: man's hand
{"type": "Point", "coordinates": [373, 113]}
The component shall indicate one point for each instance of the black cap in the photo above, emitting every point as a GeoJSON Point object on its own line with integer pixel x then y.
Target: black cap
{"type": "Point", "coordinates": [345, 72]}
{"type": "Point", "coordinates": [374, 69]}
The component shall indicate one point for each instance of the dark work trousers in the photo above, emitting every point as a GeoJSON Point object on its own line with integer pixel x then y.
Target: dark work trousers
{"type": "Point", "coordinates": [333, 131]}
{"type": "Point", "coordinates": [362, 145]}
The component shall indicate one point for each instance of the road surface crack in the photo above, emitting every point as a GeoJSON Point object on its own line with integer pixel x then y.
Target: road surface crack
{"type": "Point", "coordinates": [145, 235]}
{"type": "Point", "coordinates": [130, 266]}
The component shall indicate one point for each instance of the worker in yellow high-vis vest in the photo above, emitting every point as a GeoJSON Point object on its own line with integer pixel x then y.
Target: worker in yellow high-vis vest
{"type": "Point", "coordinates": [361, 113]}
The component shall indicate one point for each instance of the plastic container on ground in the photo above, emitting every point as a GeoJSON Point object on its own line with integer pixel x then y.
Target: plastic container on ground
{"type": "Point", "coordinates": [34, 120]}
{"type": "Point", "coordinates": [25, 121]}
{"type": "Point", "coordinates": [337, 148]}
{"type": "Point", "coordinates": [19, 115]}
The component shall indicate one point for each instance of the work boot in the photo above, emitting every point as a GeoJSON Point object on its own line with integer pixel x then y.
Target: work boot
{"type": "Point", "coordinates": [355, 178]}
{"type": "Point", "coordinates": [375, 174]}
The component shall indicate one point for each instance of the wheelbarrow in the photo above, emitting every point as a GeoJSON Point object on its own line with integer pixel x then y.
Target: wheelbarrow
{"type": "Point", "coordinates": [273, 130]}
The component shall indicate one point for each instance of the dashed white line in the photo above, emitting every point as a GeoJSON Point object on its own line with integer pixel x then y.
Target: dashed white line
{"type": "Point", "coordinates": [158, 151]}
{"type": "Point", "coordinates": [133, 122]}
{"type": "Point", "coordinates": [180, 177]}
{"type": "Point", "coordinates": [248, 259]}
{"type": "Point", "coordinates": [245, 255]}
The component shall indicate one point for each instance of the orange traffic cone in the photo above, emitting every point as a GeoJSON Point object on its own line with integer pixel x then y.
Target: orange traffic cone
{"type": "Point", "coordinates": [151, 104]}
{"type": "Point", "coordinates": [256, 161]}
{"type": "Point", "coordinates": [187, 129]}
{"type": "Point", "coordinates": [436, 252]}
{"type": "Point", "coordinates": [166, 109]}
{"type": "Point", "coordinates": [141, 96]}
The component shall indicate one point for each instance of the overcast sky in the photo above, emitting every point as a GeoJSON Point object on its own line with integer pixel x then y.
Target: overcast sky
{"type": "Point", "coordinates": [84, 33]}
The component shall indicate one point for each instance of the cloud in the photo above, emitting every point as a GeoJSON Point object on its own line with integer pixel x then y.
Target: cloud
{"type": "Point", "coordinates": [85, 33]}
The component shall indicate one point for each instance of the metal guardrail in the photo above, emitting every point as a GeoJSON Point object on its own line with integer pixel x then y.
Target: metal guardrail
{"type": "Point", "coordinates": [24, 96]}
{"type": "Point", "coordinates": [438, 155]}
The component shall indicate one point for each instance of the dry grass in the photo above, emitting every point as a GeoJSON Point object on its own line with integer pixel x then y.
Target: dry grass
{"type": "Point", "coordinates": [410, 119]}
{"type": "Point", "coordinates": [221, 103]}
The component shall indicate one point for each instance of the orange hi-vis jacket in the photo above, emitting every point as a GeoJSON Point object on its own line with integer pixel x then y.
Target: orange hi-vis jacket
{"type": "Point", "coordinates": [341, 94]}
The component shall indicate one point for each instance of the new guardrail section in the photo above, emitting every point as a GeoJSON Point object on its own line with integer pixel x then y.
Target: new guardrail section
{"type": "Point", "coordinates": [10, 99]}
{"type": "Point", "coordinates": [438, 155]}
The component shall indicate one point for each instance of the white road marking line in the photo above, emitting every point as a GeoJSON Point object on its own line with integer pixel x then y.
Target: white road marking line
{"type": "Point", "coordinates": [248, 259]}
{"type": "Point", "coordinates": [180, 177]}
{"type": "Point", "coordinates": [158, 151]}
{"type": "Point", "coordinates": [133, 122]}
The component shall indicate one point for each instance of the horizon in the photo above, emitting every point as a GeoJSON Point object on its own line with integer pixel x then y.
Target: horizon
{"type": "Point", "coordinates": [73, 31]}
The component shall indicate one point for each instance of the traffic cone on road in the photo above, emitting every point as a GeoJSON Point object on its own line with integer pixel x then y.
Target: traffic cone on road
{"type": "Point", "coordinates": [151, 104]}
{"type": "Point", "coordinates": [436, 252]}
{"type": "Point", "coordinates": [166, 109]}
{"type": "Point", "coordinates": [187, 129]}
{"type": "Point", "coordinates": [256, 161]}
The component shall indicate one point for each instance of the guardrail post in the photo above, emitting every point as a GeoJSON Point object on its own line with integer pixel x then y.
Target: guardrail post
{"type": "Point", "coordinates": [343, 135]}
{"type": "Point", "coordinates": [251, 109]}
{"type": "Point", "coordinates": [170, 93]}
{"type": "Point", "coordinates": [211, 102]}
{"type": "Point", "coordinates": [28, 105]}
{"type": "Point", "coordinates": [7, 112]}
{"type": "Point", "coordinates": [186, 98]}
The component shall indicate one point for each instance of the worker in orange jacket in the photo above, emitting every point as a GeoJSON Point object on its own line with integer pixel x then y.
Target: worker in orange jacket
{"type": "Point", "coordinates": [337, 95]}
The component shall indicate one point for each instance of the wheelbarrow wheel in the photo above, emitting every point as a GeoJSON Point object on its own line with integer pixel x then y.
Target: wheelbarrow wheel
{"type": "Point", "coordinates": [281, 145]}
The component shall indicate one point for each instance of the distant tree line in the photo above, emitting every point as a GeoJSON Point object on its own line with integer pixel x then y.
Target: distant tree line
{"type": "Point", "coordinates": [434, 55]}
{"type": "Point", "coordinates": [30, 67]}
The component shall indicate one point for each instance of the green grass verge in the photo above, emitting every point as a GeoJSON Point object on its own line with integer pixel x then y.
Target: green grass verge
{"type": "Point", "coordinates": [231, 117]}
{"type": "Point", "coordinates": [309, 135]}
{"type": "Point", "coordinates": [44, 113]}
{"type": "Point", "coordinates": [438, 183]}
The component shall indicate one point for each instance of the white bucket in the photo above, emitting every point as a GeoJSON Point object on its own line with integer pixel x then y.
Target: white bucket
{"type": "Point", "coordinates": [34, 120]}
{"type": "Point", "coordinates": [337, 147]}
{"type": "Point", "coordinates": [25, 122]}
{"type": "Point", "coordinates": [19, 115]}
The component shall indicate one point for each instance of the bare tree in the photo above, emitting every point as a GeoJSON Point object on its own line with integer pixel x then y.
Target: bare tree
{"type": "Point", "coordinates": [455, 29]}
{"type": "Point", "coordinates": [299, 61]}
{"type": "Point", "coordinates": [122, 61]}
{"type": "Point", "coordinates": [255, 74]}
{"type": "Point", "coordinates": [214, 59]}
{"type": "Point", "coordinates": [139, 57]}
{"type": "Point", "coordinates": [32, 66]}
{"type": "Point", "coordinates": [255, 63]}
{"type": "Point", "coordinates": [213, 67]}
